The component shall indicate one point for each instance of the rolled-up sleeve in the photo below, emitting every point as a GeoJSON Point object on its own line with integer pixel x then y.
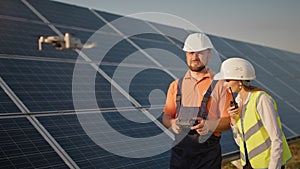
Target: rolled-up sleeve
{"type": "Point", "coordinates": [170, 106]}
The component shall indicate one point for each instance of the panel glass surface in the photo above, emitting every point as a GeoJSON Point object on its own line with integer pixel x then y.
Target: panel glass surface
{"type": "Point", "coordinates": [68, 15]}
{"type": "Point", "coordinates": [16, 8]}
{"type": "Point", "coordinates": [223, 47]}
{"type": "Point", "coordinates": [86, 153]}
{"type": "Point", "coordinates": [177, 35]}
{"type": "Point", "coordinates": [144, 85]}
{"type": "Point", "coordinates": [24, 42]}
{"type": "Point", "coordinates": [42, 86]}
{"type": "Point", "coordinates": [280, 66]}
{"type": "Point", "coordinates": [21, 146]}
{"type": "Point", "coordinates": [228, 144]}
{"type": "Point", "coordinates": [129, 88]}
{"type": "Point", "coordinates": [6, 104]}
{"type": "Point", "coordinates": [109, 17]}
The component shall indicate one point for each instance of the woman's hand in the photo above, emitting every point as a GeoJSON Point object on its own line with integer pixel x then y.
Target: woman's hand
{"type": "Point", "coordinates": [234, 114]}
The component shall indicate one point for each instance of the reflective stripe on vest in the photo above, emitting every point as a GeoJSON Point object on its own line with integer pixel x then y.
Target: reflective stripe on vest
{"type": "Point", "coordinates": [257, 139]}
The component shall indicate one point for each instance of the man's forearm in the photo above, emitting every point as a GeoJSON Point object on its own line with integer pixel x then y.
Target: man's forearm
{"type": "Point", "coordinates": [224, 124]}
{"type": "Point", "coordinates": [167, 120]}
{"type": "Point", "coordinates": [219, 125]}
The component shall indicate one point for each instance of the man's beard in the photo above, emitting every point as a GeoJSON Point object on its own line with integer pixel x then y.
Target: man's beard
{"type": "Point", "coordinates": [197, 69]}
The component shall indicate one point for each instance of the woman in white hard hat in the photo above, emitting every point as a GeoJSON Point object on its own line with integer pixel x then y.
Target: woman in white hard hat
{"type": "Point", "coordinates": [255, 121]}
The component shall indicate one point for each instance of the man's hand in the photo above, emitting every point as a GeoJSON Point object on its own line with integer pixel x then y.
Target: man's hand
{"type": "Point", "coordinates": [175, 128]}
{"type": "Point", "coordinates": [200, 127]}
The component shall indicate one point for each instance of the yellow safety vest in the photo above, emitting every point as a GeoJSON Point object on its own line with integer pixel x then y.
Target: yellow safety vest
{"type": "Point", "coordinates": [257, 139]}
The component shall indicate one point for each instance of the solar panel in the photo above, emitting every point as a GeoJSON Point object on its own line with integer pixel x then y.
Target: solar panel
{"type": "Point", "coordinates": [67, 15]}
{"type": "Point", "coordinates": [108, 16]}
{"type": "Point", "coordinates": [6, 104]}
{"type": "Point", "coordinates": [87, 153]}
{"type": "Point", "coordinates": [47, 90]}
{"type": "Point", "coordinates": [278, 80]}
{"type": "Point", "coordinates": [23, 147]}
{"type": "Point", "coordinates": [23, 41]}
{"type": "Point", "coordinates": [102, 107]}
{"type": "Point", "coordinates": [223, 47]}
{"type": "Point", "coordinates": [17, 9]}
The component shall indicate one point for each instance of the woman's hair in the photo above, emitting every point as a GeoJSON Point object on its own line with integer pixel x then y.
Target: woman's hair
{"type": "Point", "coordinates": [249, 87]}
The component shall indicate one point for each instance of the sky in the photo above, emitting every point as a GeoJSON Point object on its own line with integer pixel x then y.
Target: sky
{"type": "Point", "coordinates": [271, 23]}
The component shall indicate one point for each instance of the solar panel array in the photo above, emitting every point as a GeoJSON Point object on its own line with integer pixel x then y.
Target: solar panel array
{"type": "Point", "coordinates": [102, 107]}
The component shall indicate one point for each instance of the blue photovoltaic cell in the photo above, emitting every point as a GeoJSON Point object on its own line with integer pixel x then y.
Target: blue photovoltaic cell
{"type": "Point", "coordinates": [24, 41]}
{"type": "Point", "coordinates": [177, 35]}
{"type": "Point", "coordinates": [69, 133]}
{"type": "Point", "coordinates": [151, 37]}
{"type": "Point", "coordinates": [51, 88]}
{"type": "Point", "coordinates": [282, 59]}
{"type": "Point", "coordinates": [6, 104]}
{"type": "Point", "coordinates": [129, 89]}
{"type": "Point", "coordinates": [119, 52]}
{"type": "Point", "coordinates": [68, 15]}
{"type": "Point", "coordinates": [130, 128]}
{"type": "Point", "coordinates": [48, 90]}
{"type": "Point", "coordinates": [288, 117]}
{"type": "Point", "coordinates": [242, 48]}
{"type": "Point", "coordinates": [154, 78]}
{"type": "Point", "coordinates": [278, 69]}
{"type": "Point", "coordinates": [228, 145]}
{"type": "Point", "coordinates": [109, 17]}
{"type": "Point", "coordinates": [156, 41]}
{"type": "Point", "coordinates": [291, 59]}
{"type": "Point", "coordinates": [16, 8]}
{"type": "Point", "coordinates": [222, 47]}
{"type": "Point", "coordinates": [21, 146]}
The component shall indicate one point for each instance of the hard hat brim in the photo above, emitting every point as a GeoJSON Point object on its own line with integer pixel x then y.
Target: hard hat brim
{"type": "Point", "coordinates": [219, 76]}
{"type": "Point", "coordinates": [186, 49]}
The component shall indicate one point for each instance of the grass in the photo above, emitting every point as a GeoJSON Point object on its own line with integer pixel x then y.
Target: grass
{"type": "Point", "coordinates": [294, 163]}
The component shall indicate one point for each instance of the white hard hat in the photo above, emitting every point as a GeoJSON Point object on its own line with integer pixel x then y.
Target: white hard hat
{"type": "Point", "coordinates": [197, 42]}
{"type": "Point", "coordinates": [236, 69]}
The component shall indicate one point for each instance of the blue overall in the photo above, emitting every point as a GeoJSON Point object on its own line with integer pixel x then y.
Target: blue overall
{"type": "Point", "coordinates": [190, 153]}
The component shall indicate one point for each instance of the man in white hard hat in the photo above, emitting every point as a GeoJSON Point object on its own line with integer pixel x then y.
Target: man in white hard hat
{"type": "Point", "coordinates": [196, 110]}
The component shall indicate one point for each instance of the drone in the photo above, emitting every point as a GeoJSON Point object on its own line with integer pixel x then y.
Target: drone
{"type": "Point", "coordinates": [66, 42]}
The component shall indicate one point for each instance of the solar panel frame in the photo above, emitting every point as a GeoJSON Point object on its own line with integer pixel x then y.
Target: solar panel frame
{"type": "Point", "coordinates": [21, 61]}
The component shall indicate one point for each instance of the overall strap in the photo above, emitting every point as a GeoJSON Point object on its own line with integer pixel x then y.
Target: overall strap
{"type": "Point", "coordinates": [178, 95]}
{"type": "Point", "coordinates": [203, 109]}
